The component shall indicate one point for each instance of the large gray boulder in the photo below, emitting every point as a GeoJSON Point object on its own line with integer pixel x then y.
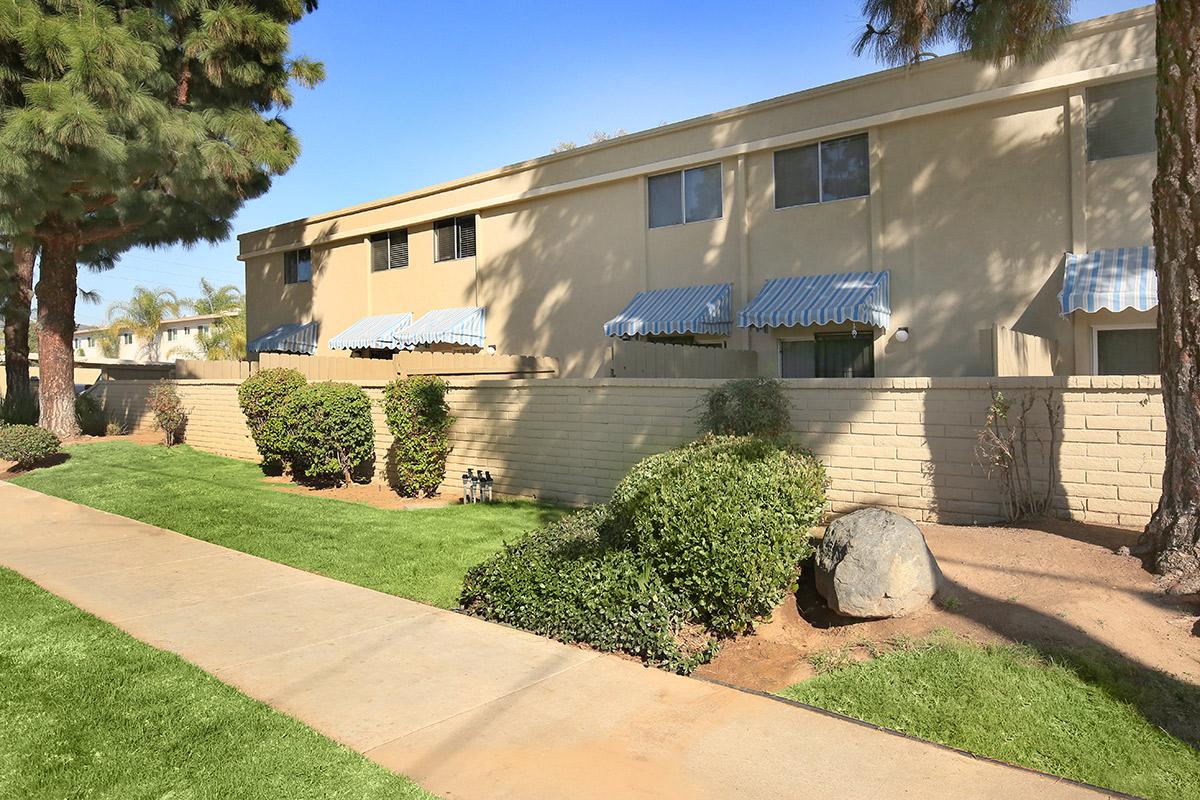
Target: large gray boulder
{"type": "Point", "coordinates": [874, 563]}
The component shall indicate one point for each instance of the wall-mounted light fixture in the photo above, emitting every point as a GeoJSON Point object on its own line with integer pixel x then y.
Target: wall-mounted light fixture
{"type": "Point", "coordinates": [902, 335]}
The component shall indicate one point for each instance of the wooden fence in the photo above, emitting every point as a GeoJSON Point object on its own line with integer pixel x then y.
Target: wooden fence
{"type": "Point", "coordinates": [634, 359]}
{"type": "Point", "coordinates": [331, 368]}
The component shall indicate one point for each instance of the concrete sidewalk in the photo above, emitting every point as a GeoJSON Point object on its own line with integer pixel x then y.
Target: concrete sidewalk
{"type": "Point", "coordinates": [466, 708]}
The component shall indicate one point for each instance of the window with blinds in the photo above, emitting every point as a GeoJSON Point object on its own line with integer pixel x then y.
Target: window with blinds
{"type": "Point", "coordinates": [389, 250]}
{"type": "Point", "coordinates": [1120, 119]}
{"type": "Point", "coordinates": [454, 238]}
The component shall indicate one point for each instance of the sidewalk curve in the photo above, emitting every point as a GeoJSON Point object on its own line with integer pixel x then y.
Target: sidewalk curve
{"type": "Point", "coordinates": [466, 708]}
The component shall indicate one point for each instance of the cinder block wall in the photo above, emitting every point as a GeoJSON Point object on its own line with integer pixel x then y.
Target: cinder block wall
{"type": "Point", "coordinates": [903, 443]}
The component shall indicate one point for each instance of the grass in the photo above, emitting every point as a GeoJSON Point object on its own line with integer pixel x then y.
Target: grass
{"type": "Point", "coordinates": [420, 554]}
{"type": "Point", "coordinates": [1082, 715]}
{"type": "Point", "coordinates": [91, 712]}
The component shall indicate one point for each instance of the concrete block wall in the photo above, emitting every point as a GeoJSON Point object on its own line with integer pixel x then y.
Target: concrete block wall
{"type": "Point", "coordinates": [903, 443]}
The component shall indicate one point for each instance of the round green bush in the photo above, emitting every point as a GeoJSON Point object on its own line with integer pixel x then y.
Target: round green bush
{"type": "Point", "coordinates": [563, 581]}
{"type": "Point", "coordinates": [419, 420]}
{"type": "Point", "coordinates": [27, 444]}
{"type": "Point", "coordinates": [262, 397]}
{"type": "Point", "coordinates": [92, 419]}
{"type": "Point", "coordinates": [329, 432]}
{"type": "Point", "coordinates": [724, 522]}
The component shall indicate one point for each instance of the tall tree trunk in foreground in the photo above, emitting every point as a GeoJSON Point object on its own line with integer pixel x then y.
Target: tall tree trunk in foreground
{"type": "Point", "coordinates": [1172, 539]}
{"type": "Point", "coordinates": [16, 322]}
{"type": "Point", "coordinates": [56, 293]}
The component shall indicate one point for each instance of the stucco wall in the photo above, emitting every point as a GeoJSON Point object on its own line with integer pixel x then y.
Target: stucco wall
{"type": "Point", "coordinates": [980, 182]}
{"type": "Point", "coordinates": [906, 444]}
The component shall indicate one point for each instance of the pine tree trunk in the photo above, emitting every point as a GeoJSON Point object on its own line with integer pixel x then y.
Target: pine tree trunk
{"type": "Point", "coordinates": [1172, 539]}
{"type": "Point", "coordinates": [56, 293]}
{"type": "Point", "coordinates": [16, 322]}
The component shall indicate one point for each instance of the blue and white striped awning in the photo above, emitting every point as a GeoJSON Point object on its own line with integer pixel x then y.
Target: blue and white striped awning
{"type": "Point", "coordinates": [375, 333]}
{"type": "Point", "coordinates": [1116, 279]}
{"type": "Point", "coordinates": [444, 325]}
{"type": "Point", "coordinates": [292, 337]}
{"type": "Point", "coordinates": [661, 312]}
{"type": "Point", "coordinates": [821, 299]}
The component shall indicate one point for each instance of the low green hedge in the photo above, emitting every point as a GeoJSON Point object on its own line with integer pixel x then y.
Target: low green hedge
{"type": "Point", "coordinates": [696, 545]}
{"type": "Point", "coordinates": [724, 521]}
{"type": "Point", "coordinates": [27, 444]}
{"type": "Point", "coordinates": [564, 582]}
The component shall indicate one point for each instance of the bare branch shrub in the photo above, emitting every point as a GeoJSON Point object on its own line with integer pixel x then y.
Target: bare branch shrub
{"type": "Point", "coordinates": [1003, 449]}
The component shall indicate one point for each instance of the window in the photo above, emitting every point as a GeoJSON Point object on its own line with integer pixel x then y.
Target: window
{"type": "Point", "coordinates": [389, 250]}
{"type": "Point", "coordinates": [822, 172]}
{"type": "Point", "coordinates": [172, 334]}
{"type": "Point", "coordinates": [690, 195]}
{"type": "Point", "coordinates": [1120, 119]}
{"type": "Point", "coordinates": [844, 355]}
{"type": "Point", "coordinates": [454, 238]}
{"type": "Point", "coordinates": [127, 338]}
{"type": "Point", "coordinates": [77, 344]}
{"type": "Point", "coordinates": [1126, 351]}
{"type": "Point", "coordinates": [201, 330]}
{"type": "Point", "coordinates": [797, 359]}
{"type": "Point", "coordinates": [91, 342]}
{"type": "Point", "coordinates": [187, 330]}
{"type": "Point", "coordinates": [297, 266]}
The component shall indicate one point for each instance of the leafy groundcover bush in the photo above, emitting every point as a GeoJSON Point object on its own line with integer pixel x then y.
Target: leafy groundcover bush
{"type": "Point", "coordinates": [419, 420]}
{"type": "Point", "coordinates": [27, 444]}
{"type": "Point", "coordinates": [329, 433]}
{"type": "Point", "coordinates": [697, 543]}
{"type": "Point", "coordinates": [262, 397]}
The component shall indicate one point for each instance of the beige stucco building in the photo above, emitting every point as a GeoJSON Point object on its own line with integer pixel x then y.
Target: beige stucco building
{"type": "Point", "coordinates": [968, 185]}
{"type": "Point", "coordinates": [176, 339]}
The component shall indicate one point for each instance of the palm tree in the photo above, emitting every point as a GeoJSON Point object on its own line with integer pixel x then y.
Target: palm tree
{"type": "Point", "coordinates": [216, 300]}
{"type": "Point", "coordinates": [143, 315]}
{"type": "Point", "coordinates": [225, 340]}
{"type": "Point", "coordinates": [901, 32]}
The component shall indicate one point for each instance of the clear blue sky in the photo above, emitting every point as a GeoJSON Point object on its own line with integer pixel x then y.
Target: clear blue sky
{"type": "Point", "coordinates": [419, 93]}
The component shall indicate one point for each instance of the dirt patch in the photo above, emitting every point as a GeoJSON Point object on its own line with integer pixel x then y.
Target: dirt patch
{"type": "Point", "coordinates": [376, 494]}
{"type": "Point", "coordinates": [1059, 583]}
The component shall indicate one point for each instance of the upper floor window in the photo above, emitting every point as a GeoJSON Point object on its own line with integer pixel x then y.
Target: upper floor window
{"type": "Point", "coordinates": [389, 250]}
{"type": "Point", "coordinates": [77, 344]}
{"type": "Point", "coordinates": [201, 329]}
{"type": "Point", "coordinates": [1120, 119]}
{"type": "Point", "coordinates": [822, 172]}
{"type": "Point", "coordinates": [91, 342]}
{"type": "Point", "coordinates": [187, 330]}
{"type": "Point", "coordinates": [297, 266]}
{"type": "Point", "coordinates": [690, 195]}
{"type": "Point", "coordinates": [127, 338]}
{"type": "Point", "coordinates": [172, 334]}
{"type": "Point", "coordinates": [454, 238]}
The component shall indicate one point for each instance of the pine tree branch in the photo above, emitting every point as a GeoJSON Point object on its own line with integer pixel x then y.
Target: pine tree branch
{"type": "Point", "coordinates": [106, 232]}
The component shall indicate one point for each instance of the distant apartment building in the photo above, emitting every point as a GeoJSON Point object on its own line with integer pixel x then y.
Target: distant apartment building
{"type": "Point", "coordinates": [176, 339]}
{"type": "Point", "coordinates": [888, 225]}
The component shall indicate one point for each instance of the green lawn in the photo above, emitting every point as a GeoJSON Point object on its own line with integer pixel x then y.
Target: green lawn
{"type": "Point", "coordinates": [89, 712]}
{"type": "Point", "coordinates": [1081, 715]}
{"type": "Point", "coordinates": [419, 554]}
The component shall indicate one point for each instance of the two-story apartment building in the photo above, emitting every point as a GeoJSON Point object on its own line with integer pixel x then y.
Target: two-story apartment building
{"type": "Point", "coordinates": [884, 225]}
{"type": "Point", "coordinates": [176, 339]}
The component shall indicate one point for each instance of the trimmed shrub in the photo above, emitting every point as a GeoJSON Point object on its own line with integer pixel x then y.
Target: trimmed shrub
{"type": "Point", "coordinates": [329, 433]}
{"type": "Point", "coordinates": [724, 522]}
{"type": "Point", "coordinates": [565, 582]}
{"type": "Point", "coordinates": [419, 419]}
{"type": "Point", "coordinates": [262, 397]}
{"type": "Point", "coordinates": [92, 419]}
{"type": "Point", "coordinates": [170, 417]}
{"type": "Point", "coordinates": [20, 408]}
{"type": "Point", "coordinates": [696, 544]}
{"type": "Point", "coordinates": [746, 407]}
{"type": "Point", "coordinates": [114, 428]}
{"type": "Point", "coordinates": [27, 444]}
